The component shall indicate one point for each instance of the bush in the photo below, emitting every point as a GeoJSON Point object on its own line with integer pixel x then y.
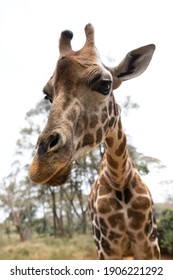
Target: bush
{"type": "Point", "coordinates": [165, 231]}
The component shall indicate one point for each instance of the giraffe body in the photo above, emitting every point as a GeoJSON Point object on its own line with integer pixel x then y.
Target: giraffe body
{"type": "Point", "coordinates": [83, 114]}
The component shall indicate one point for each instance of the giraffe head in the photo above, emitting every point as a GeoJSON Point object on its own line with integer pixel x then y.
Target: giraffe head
{"type": "Point", "coordinates": [83, 109]}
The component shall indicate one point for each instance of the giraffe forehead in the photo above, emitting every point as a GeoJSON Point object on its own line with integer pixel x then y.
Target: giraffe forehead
{"type": "Point", "coordinates": [82, 66]}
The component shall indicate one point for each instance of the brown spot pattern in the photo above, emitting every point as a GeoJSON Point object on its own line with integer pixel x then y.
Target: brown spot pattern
{"type": "Point", "coordinates": [119, 195]}
{"type": "Point", "coordinates": [99, 136]}
{"type": "Point", "coordinates": [140, 236]}
{"type": "Point", "coordinates": [71, 115]}
{"type": "Point", "coordinates": [88, 140]}
{"type": "Point", "coordinates": [104, 116]}
{"type": "Point", "coordinates": [135, 185]}
{"type": "Point", "coordinates": [103, 182]}
{"type": "Point", "coordinates": [119, 134]}
{"type": "Point", "coordinates": [85, 120]}
{"type": "Point", "coordinates": [121, 147]}
{"type": "Point", "coordinates": [148, 227]}
{"type": "Point", "coordinates": [106, 246]}
{"type": "Point", "coordinates": [102, 223]}
{"type": "Point", "coordinates": [141, 203]}
{"type": "Point", "coordinates": [97, 233]}
{"type": "Point", "coordinates": [93, 121]}
{"type": "Point", "coordinates": [109, 142]}
{"type": "Point", "coordinates": [104, 189]}
{"type": "Point", "coordinates": [103, 206]}
{"type": "Point", "coordinates": [115, 204]}
{"type": "Point", "coordinates": [110, 108]}
{"type": "Point", "coordinates": [117, 220]}
{"type": "Point", "coordinates": [119, 124]}
{"type": "Point", "coordinates": [137, 218]}
{"type": "Point", "coordinates": [101, 256]}
{"type": "Point", "coordinates": [127, 195]}
{"type": "Point", "coordinates": [79, 129]}
{"type": "Point", "coordinates": [113, 235]}
{"type": "Point", "coordinates": [112, 121]}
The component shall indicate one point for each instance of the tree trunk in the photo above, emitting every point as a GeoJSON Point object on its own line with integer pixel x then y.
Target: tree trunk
{"type": "Point", "coordinates": [53, 194]}
{"type": "Point", "coordinates": [21, 233]}
{"type": "Point", "coordinates": [18, 225]}
{"type": "Point", "coordinates": [61, 224]}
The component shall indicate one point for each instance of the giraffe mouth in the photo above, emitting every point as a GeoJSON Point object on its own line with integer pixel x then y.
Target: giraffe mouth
{"type": "Point", "coordinates": [41, 173]}
{"type": "Point", "coordinates": [60, 177]}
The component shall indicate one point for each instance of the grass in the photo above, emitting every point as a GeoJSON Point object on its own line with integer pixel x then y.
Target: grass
{"type": "Point", "coordinates": [49, 248]}
{"type": "Point", "coordinates": [79, 247]}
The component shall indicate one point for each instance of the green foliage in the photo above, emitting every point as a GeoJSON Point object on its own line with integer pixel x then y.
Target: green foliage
{"type": "Point", "coordinates": [165, 231]}
{"type": "Point", "coordinates": [143, 163]}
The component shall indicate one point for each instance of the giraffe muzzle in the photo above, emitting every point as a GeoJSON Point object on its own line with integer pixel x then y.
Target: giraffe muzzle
{"type": "Point", "coordinates": [52, 160]}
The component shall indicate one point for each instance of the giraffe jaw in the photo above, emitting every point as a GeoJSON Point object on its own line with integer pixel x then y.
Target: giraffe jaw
{"type": "Point", "coordinates": [42, 174]}
{"type": "Point", "coordinates": [60, 177]}
{"type": "Point", "coordinates": [38, 175]}
{"type": "Point", "coordinates": [81, 152]}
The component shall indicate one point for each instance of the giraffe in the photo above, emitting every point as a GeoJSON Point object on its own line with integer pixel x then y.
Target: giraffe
{"type": "Point", "coordinates": [83, 114]}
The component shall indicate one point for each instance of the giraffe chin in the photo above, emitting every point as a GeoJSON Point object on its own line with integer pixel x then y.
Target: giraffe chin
{"type": "Point", "coordinates": [56, 181]}
{"type": "Point", "coordinates": [60, 177]}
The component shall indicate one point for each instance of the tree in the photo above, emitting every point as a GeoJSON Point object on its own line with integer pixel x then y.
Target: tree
{"type": "Point", "coordinates": [18, 195]}
{"type": "Point", "coordinates": [165, 231]}
{"type": "Point", "coordinates": [143, 163]}
{"type": "Point", "coordinates": [16, 199]}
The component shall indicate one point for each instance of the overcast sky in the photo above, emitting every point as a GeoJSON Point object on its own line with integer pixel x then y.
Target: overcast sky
{"type": "Point", "coordinates": [29, 33]}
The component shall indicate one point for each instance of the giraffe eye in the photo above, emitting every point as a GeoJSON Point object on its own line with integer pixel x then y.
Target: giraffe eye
{"type": "Point", "coordinates": [104, 87]}
{"type": "Point", "coordinates": [47, 96]}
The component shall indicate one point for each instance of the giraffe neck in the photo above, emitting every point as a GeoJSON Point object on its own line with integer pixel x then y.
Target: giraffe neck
{"type": "Point", "coordinates": [116, 165]}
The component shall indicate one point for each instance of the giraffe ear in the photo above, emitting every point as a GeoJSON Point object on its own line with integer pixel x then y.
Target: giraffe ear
{"type": "Point", "coordinates": [134, 64]}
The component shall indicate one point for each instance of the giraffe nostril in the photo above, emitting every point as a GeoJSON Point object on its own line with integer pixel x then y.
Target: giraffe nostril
{"type": "Point", "coordinates": [42, 149]}
{"type": "Point", "coordinates": [54, 140]}
{"type": "Point", "coordinates": [48, 144]}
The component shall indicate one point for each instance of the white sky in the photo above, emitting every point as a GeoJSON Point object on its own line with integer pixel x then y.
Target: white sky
{"type": "Point", "coordinates": [29, 33]}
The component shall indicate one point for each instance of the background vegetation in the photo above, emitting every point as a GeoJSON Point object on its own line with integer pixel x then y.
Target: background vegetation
{"type": "Point", "coordinates": [42, 222]}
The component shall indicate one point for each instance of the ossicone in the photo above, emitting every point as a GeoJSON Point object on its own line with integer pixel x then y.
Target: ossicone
{"type": "Point", "coordinates": [65, 41]}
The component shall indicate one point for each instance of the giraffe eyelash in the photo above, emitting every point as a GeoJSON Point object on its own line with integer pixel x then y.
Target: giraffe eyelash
{"type": "Point", "coordinates": [47, 96]}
